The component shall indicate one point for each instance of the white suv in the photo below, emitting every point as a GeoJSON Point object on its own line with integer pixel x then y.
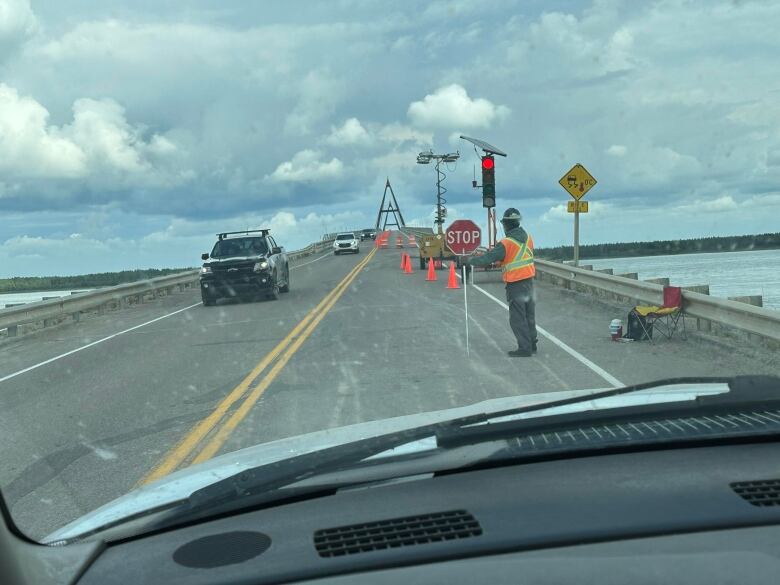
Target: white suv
{"type": "Point", "coordinates": [346, 242]}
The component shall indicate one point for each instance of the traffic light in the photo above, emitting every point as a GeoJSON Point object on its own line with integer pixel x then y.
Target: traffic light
{"type": "Point", "coordinates": [488, 181]}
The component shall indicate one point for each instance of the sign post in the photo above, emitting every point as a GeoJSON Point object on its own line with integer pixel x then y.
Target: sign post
{"type": "Point", "coordinates": [463, 237]}
{"type": "Point", "coordinates": [577, 182]}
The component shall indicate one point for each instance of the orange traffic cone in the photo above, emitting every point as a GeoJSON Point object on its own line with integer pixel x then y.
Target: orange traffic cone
{"type": "Point", "coordinates": [403, 261]}
{"type": "Point", "coordinates": [431, 271]}
{"type": "Point", "coordinates": [452, 282]}
{"type": "Point", "coordinates": [408, 265]}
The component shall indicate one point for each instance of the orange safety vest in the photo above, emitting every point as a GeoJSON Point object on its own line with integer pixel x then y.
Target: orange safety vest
{"type": "Point", "coordinates": [518, 263]}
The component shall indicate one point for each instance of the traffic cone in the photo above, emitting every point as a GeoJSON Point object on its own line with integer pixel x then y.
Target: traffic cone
{"type": "Point", "coordinates": [403, 261]}
{"type": "Point", "coordinates": [408, 265]}
{"type": "Point", "coordinates": [431, 271]}
{"type": "Point", "coordinates": [452, 282]}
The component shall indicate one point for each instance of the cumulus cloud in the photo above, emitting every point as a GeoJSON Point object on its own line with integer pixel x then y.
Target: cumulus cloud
{"type": "Point", "coordinates": [717, 205]}
{"type": "Point", "coordinates": [400, 133]}
{"type": "Point", "coordinates": [17, 23]}
{"type": "Point", "coordinates": [154, 116]}
{"type": "Point", "coordinates": [351, 132]}
{"type": "Point", "coordinates": [306, 166]}
{"type": "Point", "coordinates": [617, 150]}
{"type": "Point", "coordinates": [99, 143]}
{"type": "Point", "coordinates": [451, 107]}
{"type": "Point", "coordinates": [318, 93]}
{"type": "Point", "coordinates": [29, 146]}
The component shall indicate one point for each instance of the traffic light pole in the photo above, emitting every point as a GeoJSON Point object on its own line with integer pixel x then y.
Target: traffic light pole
{"type": "Point", "coordinates": [492, 231]}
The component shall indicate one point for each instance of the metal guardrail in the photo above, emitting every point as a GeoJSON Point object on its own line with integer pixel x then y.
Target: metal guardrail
{"type": "Point", "coordinates": [55, 310]}
{"type": "Point", "coordinates": [757, 320]}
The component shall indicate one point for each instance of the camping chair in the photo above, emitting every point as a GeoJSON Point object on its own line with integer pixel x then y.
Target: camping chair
{"type": "Point", "coordinates": [664, 319]}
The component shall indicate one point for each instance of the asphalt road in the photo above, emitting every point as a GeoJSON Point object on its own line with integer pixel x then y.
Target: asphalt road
{"type": "Point", "coordinates": [355, 340]}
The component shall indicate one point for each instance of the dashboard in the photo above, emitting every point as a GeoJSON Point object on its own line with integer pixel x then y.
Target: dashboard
{"type": "Point", "coordinates": [708, 514]}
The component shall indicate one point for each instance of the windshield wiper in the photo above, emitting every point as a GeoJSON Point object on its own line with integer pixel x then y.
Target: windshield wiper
{"type": "Point", "coordinates": [755, 392]}
{"type": "Point", "coordinates": [263, 483]}
{"type": "Point", "coordinates": [276, 481]}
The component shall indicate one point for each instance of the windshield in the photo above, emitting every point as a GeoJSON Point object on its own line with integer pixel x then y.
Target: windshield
{"type": "Point", "coordinates": [239, 247]}
{"type": "Point", "coordinates": [569, 196]}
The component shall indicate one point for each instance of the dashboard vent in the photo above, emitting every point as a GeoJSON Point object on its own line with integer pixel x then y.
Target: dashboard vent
{"type": "Point", "coordinates": [764, 492]}
{"type": "Point", "coordinates": [395, 533]}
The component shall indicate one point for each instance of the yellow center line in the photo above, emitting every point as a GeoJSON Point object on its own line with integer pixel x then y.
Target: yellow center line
{"type": "Point", "coordinates": [222, 434]}
{"type": "Point", "coordinates": [188, 444]}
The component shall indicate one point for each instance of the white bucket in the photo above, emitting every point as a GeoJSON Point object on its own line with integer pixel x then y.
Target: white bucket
{"type": "Point", "coordinates": [616, 329]}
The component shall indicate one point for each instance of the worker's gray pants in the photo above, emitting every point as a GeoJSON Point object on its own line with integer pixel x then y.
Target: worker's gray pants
{"type": "Point", "coordinates": [522, 312]}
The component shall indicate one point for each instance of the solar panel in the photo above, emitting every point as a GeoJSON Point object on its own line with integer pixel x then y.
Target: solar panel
{"type": "Point", "coordinates": [489, 148]}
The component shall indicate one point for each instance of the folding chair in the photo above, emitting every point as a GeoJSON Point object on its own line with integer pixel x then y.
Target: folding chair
{"type": "Point", "coordinates": [666, 318]}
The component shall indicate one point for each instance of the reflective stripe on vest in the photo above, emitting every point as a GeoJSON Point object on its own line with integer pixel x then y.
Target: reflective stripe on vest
{"type": "Point", "coordinates": [519, 260]}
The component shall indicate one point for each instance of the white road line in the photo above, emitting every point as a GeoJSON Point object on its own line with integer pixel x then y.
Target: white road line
{"type": "Point", "coordinates": [311, 261]}
{"type": "Point", "coordinates": [112, 336]}
{"type": "Point", "coordinates": [83, 347]}
{"type": "Point", "coordinates": [571, 351]}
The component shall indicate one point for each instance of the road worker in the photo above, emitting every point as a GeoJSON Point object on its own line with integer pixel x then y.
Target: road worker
{"type": "Point", "coordinates": [515, 255]}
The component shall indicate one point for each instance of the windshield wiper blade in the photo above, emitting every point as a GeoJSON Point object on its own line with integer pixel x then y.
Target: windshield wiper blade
{"type": "Point", "coordinates": [263, 483]}
{"type": "Point", "coordinates": [753, 391]}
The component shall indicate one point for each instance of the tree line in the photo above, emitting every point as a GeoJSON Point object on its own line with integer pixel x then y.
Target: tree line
{"type": "Point", "coordinates": [663, 247]}
{"type": "Point", "coordinates": [42, 283]}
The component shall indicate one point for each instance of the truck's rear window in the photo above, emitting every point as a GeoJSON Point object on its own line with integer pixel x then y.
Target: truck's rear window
{"type": "Point", "coordinates": [239, 247]}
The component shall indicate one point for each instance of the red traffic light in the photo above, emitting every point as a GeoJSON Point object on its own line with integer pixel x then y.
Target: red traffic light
{"type": "Point", "coordinates": [488, 163]}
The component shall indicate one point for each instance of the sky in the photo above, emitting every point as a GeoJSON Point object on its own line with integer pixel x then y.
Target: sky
{"type": "Point", "coordinates": [131, 133]}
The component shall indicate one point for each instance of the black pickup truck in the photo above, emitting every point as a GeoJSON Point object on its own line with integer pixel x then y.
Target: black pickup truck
{"type": "Point", "coordinates": [244, 265]}
{"type": "Point", "coordinates": [367, 234]}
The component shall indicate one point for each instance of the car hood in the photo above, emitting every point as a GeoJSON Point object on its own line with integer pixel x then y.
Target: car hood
{"type": "Point", "coordinates": [181, 484]}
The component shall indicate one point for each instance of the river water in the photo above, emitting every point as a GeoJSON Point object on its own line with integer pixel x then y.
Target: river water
{"type": "Point", "coordinates": [729, 274]}
{"type": "Point", "coordinates": [31, 297]}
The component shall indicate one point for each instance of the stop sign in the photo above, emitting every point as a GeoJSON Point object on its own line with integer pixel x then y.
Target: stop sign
{"type": "Point", "coordinates": [463, 236]}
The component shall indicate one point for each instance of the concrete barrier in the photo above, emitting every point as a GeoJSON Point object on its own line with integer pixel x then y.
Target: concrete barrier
{"type": "Point", "coordinates": [704, 289]}
{"type": "Point", "coordinates": [755, 300]}
{"type": "Point", "coordinates": [661, 281]}
{"type": "Point", "coordinates": [730, 316]}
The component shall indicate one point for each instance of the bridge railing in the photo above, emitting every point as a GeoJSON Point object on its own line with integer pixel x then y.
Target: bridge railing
{"type": "Point", "coordinates": [54, 311]}
{"type": "Point", "coordinates": [731, 314]}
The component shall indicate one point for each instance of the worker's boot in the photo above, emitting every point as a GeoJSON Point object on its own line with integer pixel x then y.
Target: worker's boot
{"type": "Point", "coordinates": [519, 353]}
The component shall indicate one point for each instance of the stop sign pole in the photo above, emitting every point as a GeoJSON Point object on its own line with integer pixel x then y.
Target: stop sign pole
{"type": "Point", "coordinates": [463, 237]}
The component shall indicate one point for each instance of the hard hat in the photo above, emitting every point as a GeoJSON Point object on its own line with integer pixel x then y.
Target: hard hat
{"type": "Point", "coordinates": [512, 215]}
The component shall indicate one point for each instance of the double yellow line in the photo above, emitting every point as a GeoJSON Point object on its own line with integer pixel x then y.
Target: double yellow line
{"type": "Point", "coordinates": [210, 428]}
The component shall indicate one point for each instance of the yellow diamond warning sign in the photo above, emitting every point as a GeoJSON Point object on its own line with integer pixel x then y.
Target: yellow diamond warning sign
{"type": "Point", "coordinates": [577, 181]}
